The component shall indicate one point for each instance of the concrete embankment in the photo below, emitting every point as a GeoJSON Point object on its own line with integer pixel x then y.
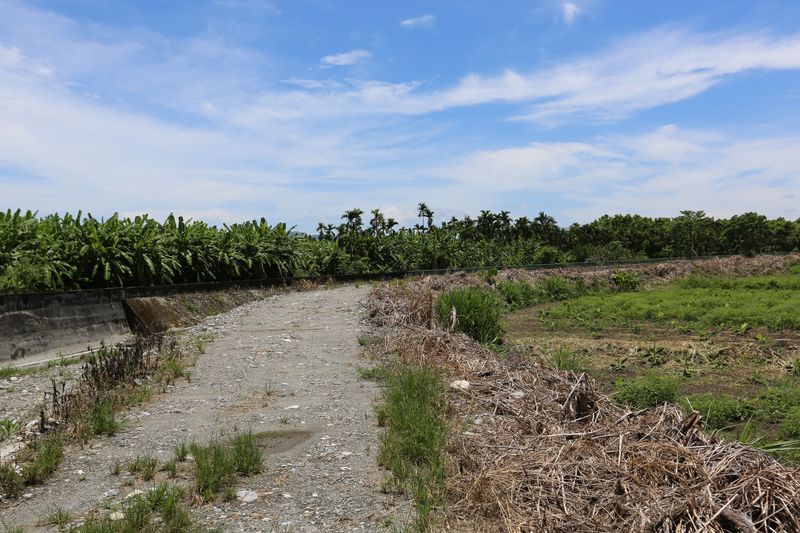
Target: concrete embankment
{"type": "Point", "coordinates": [35, 326]}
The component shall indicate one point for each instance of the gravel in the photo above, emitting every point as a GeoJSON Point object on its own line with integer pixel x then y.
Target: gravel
{"type": "Point", "coordinates": [285, 366]}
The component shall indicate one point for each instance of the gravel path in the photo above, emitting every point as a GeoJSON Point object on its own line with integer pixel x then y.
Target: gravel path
{"type": "Point", "coordinates": [285, 365]}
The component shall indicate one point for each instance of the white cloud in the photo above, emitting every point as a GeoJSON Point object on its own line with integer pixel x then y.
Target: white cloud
{"type": "Point", "coordinates": [570, 11]}
{"type": "Point", "coordinates": [347, 58]}
{"type": "Point", "coordinates": [425, 21]}
{"type": "Point", "coordinates": [647, 70]}
{"type": "Point", "coordinates": [657, 174]}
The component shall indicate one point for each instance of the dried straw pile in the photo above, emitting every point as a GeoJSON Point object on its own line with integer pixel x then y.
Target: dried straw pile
{"type": "Point", "coordinates": [535, 449]}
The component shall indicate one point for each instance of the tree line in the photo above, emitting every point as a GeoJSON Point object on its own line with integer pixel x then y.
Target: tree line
{"type": "Point", "coordinates": [58, 252]}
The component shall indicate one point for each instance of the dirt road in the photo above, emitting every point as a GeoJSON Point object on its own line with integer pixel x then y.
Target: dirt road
{"type": "Point", "coordinates": [285, 365]}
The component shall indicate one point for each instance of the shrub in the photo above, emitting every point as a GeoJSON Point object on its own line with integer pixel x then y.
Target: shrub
{"type": "Point", "coordinates": [557, 288]}
{"type": "Point", "coordinates": [102, 420]}
{"type": "Point", "coordinates": [625, 281]}
{"type": "Point", "coordinates": [718, 411]}
{"type": "Point", "coordinates": [647, 391]}
{"type": "Point", "coordinates": [517, 294]}
{"type": "Point", "coordinates": [775, 402]}
{"type": "Point", "coordinates": [11, 483]}
{"type": "Point", "coordinates": [477, 312]}
{"type": "Point", "coordinates": [790, 428]}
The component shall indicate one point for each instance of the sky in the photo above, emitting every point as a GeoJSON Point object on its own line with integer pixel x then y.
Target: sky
{"type": "Point", "coordinates": [297, 110]}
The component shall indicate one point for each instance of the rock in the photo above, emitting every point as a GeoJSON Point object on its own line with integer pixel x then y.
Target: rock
{"type": "Point", "coordinates": [291, 407]}
{"type": "Point", "coordinates": [460, 384]}
{"type": "Point", "coordinates": [246, 496]}
{"type": "Point", "coordinates": [116, 515]}
{"type": "Point", "coordinates": [517, 394]}
{"type": "Point", "coordinates": [28, 495]}
{"type": "Point", "coordinates": [137, 492]}
{"type": "Point", "coordinates": [110, 493]}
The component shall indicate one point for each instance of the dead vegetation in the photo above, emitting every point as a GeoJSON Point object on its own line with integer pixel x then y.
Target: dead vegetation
{"type": "Point", "coordinates": [531, 448]}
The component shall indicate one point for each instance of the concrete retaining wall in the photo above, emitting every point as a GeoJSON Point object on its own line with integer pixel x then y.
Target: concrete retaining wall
{"type": "Point", "coordinates": [31, 324]}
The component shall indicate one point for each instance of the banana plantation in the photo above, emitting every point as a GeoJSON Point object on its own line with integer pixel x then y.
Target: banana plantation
{"type": "Point", "coordinates": [62, 252]}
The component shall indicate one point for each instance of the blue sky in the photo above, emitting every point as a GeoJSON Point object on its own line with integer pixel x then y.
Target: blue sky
{"type": "Point", "coordinates": [297, 110]}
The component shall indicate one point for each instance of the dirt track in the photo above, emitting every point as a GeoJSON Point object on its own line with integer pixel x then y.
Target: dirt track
{"type": "Point", "coordinates": [287, 365]}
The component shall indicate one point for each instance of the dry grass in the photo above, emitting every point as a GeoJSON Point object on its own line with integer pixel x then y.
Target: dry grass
{"type": "Point", "coordinates": [534, 449]}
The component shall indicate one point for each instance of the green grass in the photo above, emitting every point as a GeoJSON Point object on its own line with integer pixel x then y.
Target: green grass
{"type": "Point", "coordinates": [11, 482]}
{"type": "Point", "coordinates": [413, 445]}
{"type": "Point", "coordinates": [218, 462]}
{"type": "Point", "coordinates": [47, 453]}
{"type": "Point", "coordinates": [143, 466]}
{"type": "Point", "coordinates": [478, 311]}
{"type": "Point", "coordinates": [376, 373]}
{"type": "Point", "coordinates": [718, 411]}
{"type": "Point", "coordinates": [646, 391]}
{"type": "Point", "coordinates": [10, 371]}
{"type": "Point", "coordinates": [162, 509]}
{"type": "Point", "coordinates": [58, 517]}
{"type": "Point", "coordinates": [102, 420]}
{"type": "Point", "coordinates": [693, 304]}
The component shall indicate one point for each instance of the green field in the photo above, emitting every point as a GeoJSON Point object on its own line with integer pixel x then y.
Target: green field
{"type": "Point", "coordinates": [695, 304]}
{"type": "Point", "coordinates": [725, 346]}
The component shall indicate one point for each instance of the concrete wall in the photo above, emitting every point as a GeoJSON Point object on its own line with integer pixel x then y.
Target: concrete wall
{"type": "Point", "coordinates": [31, 324]}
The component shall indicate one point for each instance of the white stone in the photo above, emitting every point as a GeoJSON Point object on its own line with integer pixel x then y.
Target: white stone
{"type": "Point", "coordinates": [291, 407]}
{"type": "Point", "coordinates": [246, 496]}
{"type": "Point", "coordinates": [517, 394]}
{"type": "Point", "coordinates": [116, 515]}
{"type": "Point", "coordinates": [460, 384]}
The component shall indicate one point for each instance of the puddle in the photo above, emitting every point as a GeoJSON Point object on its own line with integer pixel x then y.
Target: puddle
{"type": "Point", "coordinates": [274, 442]}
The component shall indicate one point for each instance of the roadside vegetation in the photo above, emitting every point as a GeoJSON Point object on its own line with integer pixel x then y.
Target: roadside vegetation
{"type": "Point", "coordinates": [58, 252]}
{"type": "Point", "coordinates": [110, 380]}
{"type": "Point", "coordinates": [545, 422]}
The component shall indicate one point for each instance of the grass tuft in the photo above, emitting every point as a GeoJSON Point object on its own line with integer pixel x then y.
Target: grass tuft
{"type": "Point", "coordinates": [413, 444]}
{"type": "Point", "coordinates": [477, 310]}
{"type": "Point", "coordinates": [646, 391]}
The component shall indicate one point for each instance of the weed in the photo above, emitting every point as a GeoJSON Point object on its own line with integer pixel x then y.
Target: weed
{"type": "Point", "coordinates": [774, 403]}
{"type": "Point", "coordinates": [13, 529]}
{"type": "Point", "coordinates": [214, 468]}
{"type": "Point", "coordinates": [7, 428]}
{"type": "Point", "coordinates": [718, 411]}
{"type": "Point", "coordinates": [364, 340]}
{"type": "Point", "coordinates": [181, 451]}
{"type": "Point", "coordinates": [47, 454]}
{"type": "Point", "coordinates": [477, 312]}
{"type": "Point", "coordinates": [144, 466]}
{"type": "Point", "coordinates": [229, 494]}
{"type": "Point", "coordinates": [171, 468]}
{"type": "Point", "coordinates": [115, 469]}
{"type": "Point", "coordinates": [174, 369]}
{"type": "Point", "coordinates": [284, 419]}
{"type": "Point", "coordinates": [247, 457]}
{"type": "Point", "coordinates": [790, 427]}
{"type": "Point", "coordinates": [376, 373]}
{"type": "Point", "coordinates": [102, 420]}
{"type": "Point", "coordinates": [57, 516]}
{"type": "Point", "coordinates": [647, 391]}
{"type": "Point", "coordinates": [518, 294]}
{"type": "Point", "coordinates": [413, 444]}
{"type": "Point", "coordinates": [625, 281]}
{"type": "Point", "coordinates": [11, 482]}
{"type": "Point", "coordinates": [566, 360]}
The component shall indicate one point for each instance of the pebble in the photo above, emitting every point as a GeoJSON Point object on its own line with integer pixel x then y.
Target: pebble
{"type": "Point", "coordinates": [517, 394]}
{"type": "Point", "coordinates": [460, 384]}
{"type": "Point", "coordinates": [246, 496]}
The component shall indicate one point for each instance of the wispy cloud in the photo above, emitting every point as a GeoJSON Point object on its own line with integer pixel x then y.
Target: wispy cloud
{"type": "Point", "coordinates": [425, 21]}
{"type": "Point", "coordinates": [570, 11]}
{"type": "Point", "coordinates": [347, 58]}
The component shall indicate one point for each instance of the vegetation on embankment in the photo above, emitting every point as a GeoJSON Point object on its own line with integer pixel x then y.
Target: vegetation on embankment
{"type": "Point", "coordinates": [538, 447]}
{"type": "Point", "coordinates": [71, 252]}
{"type": "Point", "coordinates": [724, 346]}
